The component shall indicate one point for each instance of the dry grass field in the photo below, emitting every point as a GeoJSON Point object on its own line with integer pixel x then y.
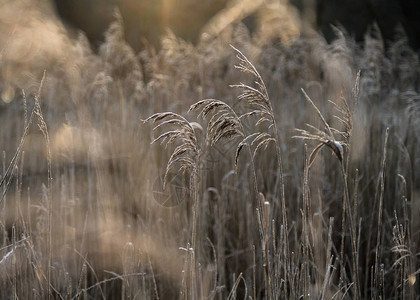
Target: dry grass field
{"type": "Point", "coordinates": [263, 165]}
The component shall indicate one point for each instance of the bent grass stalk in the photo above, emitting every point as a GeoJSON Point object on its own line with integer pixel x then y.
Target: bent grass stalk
{"type": "Point", "coordinates": [326, 138]}
{"type": "Point", "coordinates": [186, 155]}
{"type": "Point", "coordinates": [225, 123]}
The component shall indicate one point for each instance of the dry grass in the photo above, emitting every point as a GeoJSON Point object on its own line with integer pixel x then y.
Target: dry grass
{"type": "Point", "coordinates": [249, 211]}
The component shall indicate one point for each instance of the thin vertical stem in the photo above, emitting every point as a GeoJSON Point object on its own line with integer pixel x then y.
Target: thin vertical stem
{"type": "Point", "coordinates": [380, 211]}
{"type": "Point", "coordinates": [194, 187]}
{"type": "Point", "coordinates": [14, 263]}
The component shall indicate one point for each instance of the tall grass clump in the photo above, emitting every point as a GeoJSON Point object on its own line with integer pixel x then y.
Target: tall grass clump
{"type": "Point", "coordinates": [186, 155]}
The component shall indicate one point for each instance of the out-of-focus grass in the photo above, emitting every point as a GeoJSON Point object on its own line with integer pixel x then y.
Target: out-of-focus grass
{"type": "Point", "coordinates": [109, 235]}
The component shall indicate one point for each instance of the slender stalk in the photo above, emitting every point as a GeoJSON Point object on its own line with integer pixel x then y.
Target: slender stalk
{"type": "Point", "coordinates": [380, 211]}
{"type": "Point", "coordinates": [194, 188]}
{"type": "Point", "coordinates": [353, 240]}
{"type": "Point", "coordinates": [43, 127]}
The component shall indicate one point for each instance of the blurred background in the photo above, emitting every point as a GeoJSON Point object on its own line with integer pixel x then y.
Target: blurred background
{"type": "Point", "coordinates": [148, 19]}
{"type": "Point", "coordinates": [37, 33]}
